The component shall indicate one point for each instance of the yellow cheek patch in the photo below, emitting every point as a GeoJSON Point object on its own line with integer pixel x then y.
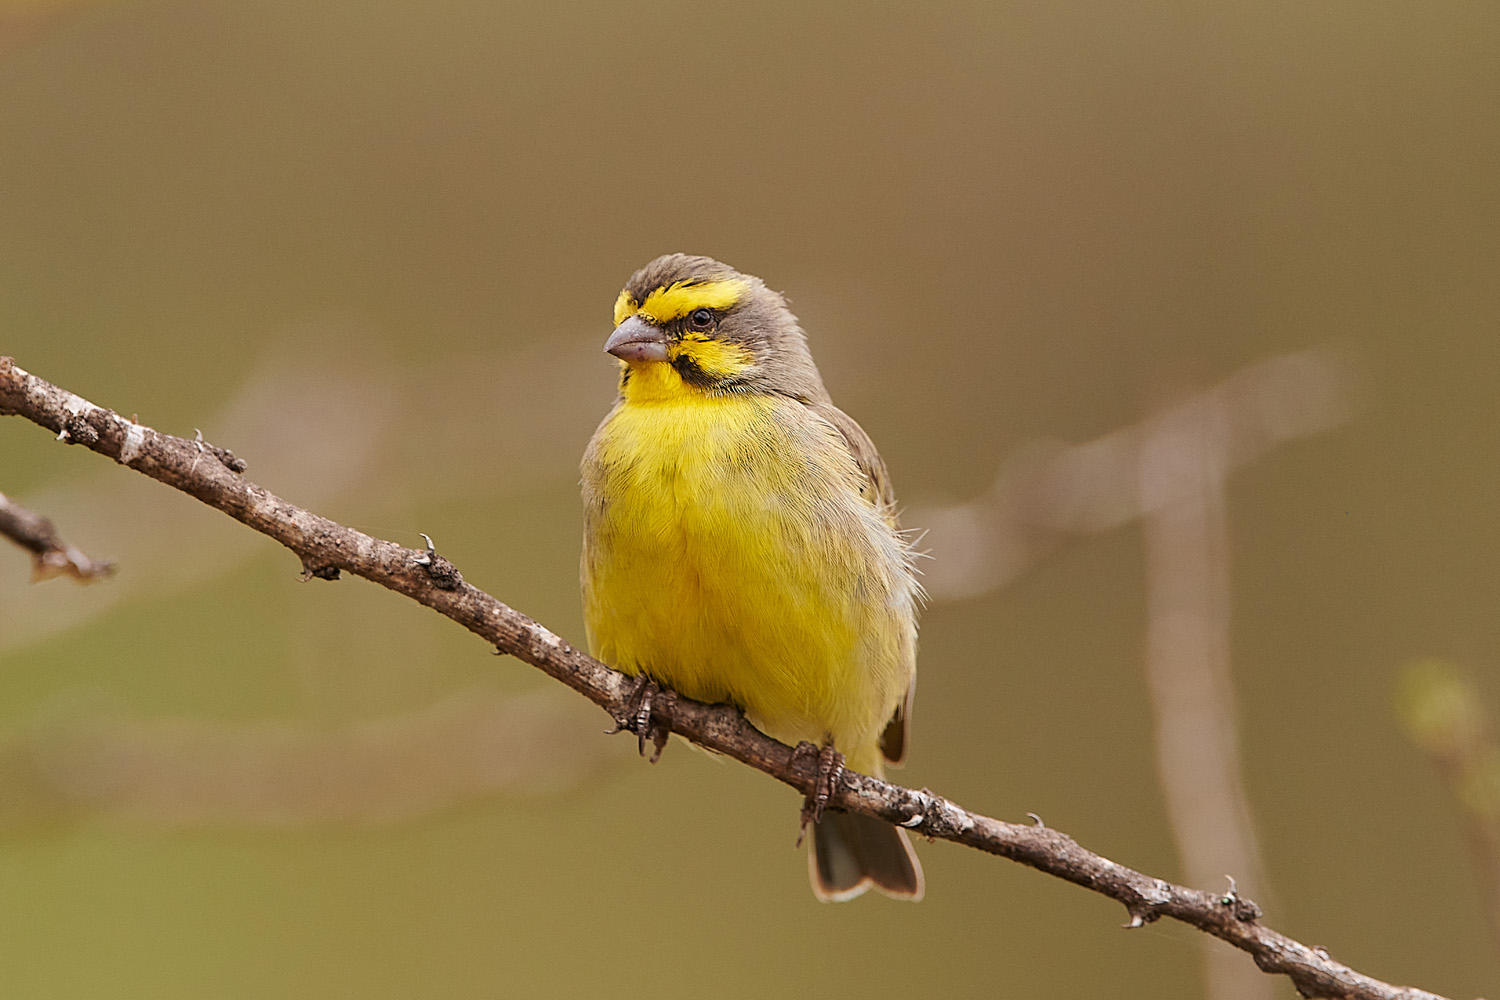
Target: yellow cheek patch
{"type": "Point", "coordinates": [713, 357]}
{"type": "Point", "coordinates": [680, 298]}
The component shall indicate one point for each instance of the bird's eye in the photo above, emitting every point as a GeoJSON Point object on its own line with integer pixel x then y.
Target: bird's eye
{"type": "Point", "coordinates": [702, 319]}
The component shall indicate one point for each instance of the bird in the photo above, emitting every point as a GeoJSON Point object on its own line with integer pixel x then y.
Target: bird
{"type": "Point", "coordinates": [742, 545]}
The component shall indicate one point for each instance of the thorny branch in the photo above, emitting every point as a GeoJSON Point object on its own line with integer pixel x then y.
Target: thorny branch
{"type": "Point", "coordinates": [327, 548]}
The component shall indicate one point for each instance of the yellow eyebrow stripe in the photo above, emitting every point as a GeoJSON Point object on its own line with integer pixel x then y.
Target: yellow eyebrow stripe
{"type": "Point", "coordinates": [625, 307]}
{"type": "Point", "coordinates": [680, 298]}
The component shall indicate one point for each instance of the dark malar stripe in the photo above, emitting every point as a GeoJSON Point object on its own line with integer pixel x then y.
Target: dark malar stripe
{"type": "Point", "coordinates": [693, 373]}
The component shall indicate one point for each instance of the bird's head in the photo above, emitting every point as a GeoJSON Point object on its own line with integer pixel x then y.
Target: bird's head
{"type": "Point", "coordinates": [693, 325]}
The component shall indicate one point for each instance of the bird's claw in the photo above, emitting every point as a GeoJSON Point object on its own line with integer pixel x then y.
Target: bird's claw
{"type": "Point", "coordinates": [829, 774]}
{"type": "Point", "coordinates": [649, 715]}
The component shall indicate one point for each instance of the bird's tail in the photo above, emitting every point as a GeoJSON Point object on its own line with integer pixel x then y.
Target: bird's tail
{"type": "Point", "coordinates": [852, 852]}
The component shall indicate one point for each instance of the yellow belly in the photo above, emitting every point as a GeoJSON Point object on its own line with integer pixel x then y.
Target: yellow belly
{"type": "Point", "coordinates": [729, 554]}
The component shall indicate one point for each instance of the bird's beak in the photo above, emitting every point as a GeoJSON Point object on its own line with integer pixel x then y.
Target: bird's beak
{"type": "Point", "coordinates": [638, 341]}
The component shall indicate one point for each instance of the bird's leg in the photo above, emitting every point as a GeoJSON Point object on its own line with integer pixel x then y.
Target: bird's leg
{"type": "Point", "coordinates": [654, 720]}
{"type": "Point", "coordinates": [830, 772]}
{"type": "Point", "coordinates": [624, 722]}
{"type": "Point", "coordinates": [649, 715]}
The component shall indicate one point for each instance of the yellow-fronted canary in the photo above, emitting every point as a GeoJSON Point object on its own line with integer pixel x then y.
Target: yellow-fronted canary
{"type": "Point", "coordinates": [741, 543]}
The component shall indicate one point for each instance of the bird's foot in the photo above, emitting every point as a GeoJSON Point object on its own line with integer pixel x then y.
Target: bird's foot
{"type": "Point", "coordinates": [649, 715]}
{"type": "Point", "coordinates": [830, 772]}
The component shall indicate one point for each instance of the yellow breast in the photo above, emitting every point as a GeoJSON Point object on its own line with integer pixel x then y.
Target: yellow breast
{"type": "Point", "coordinates": [729, 554]}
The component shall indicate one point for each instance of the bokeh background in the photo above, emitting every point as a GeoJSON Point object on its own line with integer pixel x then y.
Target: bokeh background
{"type": "Point", "coordinates": [373, 249]}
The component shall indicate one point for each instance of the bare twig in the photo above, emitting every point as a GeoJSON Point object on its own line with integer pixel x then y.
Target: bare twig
{"type": "Point", "coordinates": [327, 548]}
{"type": "Point", "coordinates": [51, 556]}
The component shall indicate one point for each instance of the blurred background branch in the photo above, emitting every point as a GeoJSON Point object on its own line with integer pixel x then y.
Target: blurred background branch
{"type": "Point", "coordinates": [51, 556]}
{"type": "Point", "coordinates": [1442, 712]}
{"type": "Point", "coordinates": [336, 421]}
{"type": "Point", "coordinates": [1048, 493]}
{"type": "Point", "coordinates": [1184, 465]}
{"type": "Point", "coordinates": [187, 773]}
{"type": "Point", "coordinates": [1170, 471]}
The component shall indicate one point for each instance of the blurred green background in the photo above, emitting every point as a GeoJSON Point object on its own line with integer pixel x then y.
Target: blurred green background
{"type": "Point", "coordinates": [373, 249]}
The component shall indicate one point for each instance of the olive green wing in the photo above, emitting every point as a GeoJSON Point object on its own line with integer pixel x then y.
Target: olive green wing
{"type": "Point", "coordinates": [877, 486]}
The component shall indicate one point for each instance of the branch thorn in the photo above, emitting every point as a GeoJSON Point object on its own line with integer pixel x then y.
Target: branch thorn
{"type": "Point", "coordinates": [444, 575]}
{"type": "Point", "coordinates": [1245, 910]}
{"type": "Point", "coordinates": [431, 548]}
{"type": "Point", "coordinates": [224, 455]}
{"type": "Point", "coordinates": [318, 572]}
